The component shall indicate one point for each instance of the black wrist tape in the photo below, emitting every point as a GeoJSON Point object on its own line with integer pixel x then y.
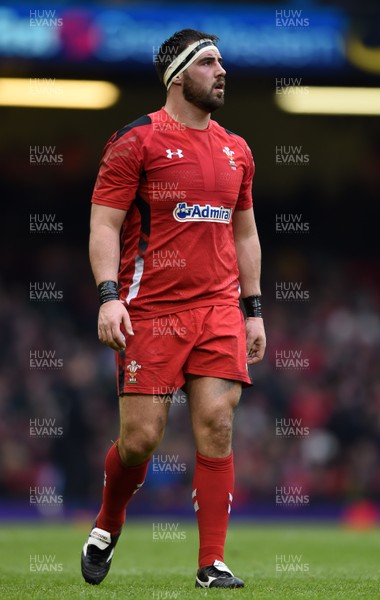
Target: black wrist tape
{"type": "Point", "coordinates": [252, 306]}
{"type": "Point", "coordinates": [107, 291]}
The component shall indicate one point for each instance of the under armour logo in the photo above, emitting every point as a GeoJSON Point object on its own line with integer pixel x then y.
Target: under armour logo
{"type": "Point", "coordinates": [170, 153]}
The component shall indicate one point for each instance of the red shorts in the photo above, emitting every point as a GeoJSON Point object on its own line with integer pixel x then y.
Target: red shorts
{"type": "Point", "coordinates": [209, 341]}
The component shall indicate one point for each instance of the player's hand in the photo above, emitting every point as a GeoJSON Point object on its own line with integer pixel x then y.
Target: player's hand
{"type": "Point", "coordinates": [112, 316]}
{"type": "Point", "coordinates": [256, 340]}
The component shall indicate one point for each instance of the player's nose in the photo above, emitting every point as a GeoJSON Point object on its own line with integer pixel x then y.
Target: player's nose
{"type": "Point", "coordinates": [220, 70]}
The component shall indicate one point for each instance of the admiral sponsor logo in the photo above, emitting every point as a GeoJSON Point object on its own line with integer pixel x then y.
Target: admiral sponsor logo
{"type": "Point", "coordinates": [167, 532]}
{"type": "Point", "coordinates": [197, 212]}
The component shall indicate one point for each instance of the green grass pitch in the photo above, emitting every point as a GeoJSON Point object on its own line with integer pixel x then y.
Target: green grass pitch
{"type": "Point", "coordinates": [281, 562]}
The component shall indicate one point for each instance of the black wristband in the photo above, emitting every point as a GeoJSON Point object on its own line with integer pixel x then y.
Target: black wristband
{"type": "Point", "coordinates": [107, 291]}
{"type": "Point", "coordinates": [252, 306]}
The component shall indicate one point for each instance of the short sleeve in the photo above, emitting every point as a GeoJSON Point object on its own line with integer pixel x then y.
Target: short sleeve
{"type": "Point", "coordinates": [245, 194]}
{"type": "Point", "coordinates": [119, 172]}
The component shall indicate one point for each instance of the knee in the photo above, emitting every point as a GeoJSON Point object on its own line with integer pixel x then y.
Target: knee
{"type": "Point", "coordinates": [138, 443]}
{"type": "Point", "coordinates": [219, 425]}
{"type": "Point", "coordinates": [214, 435]}
{"type": "Point", "coordinates": [216, 422]}
{"type": "Point", "coordinates": [212, 425]}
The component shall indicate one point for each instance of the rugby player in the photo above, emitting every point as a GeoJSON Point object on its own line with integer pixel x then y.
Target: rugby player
{"type": "Point", "coordinates": [176, 184]}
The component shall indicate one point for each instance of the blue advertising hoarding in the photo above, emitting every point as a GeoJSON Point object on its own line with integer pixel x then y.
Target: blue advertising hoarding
{"type": "Point", "coordinates": [260, 38]}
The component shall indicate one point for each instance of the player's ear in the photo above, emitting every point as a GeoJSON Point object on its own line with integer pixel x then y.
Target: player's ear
{"type": "Point", "coordinates": [178, 79]}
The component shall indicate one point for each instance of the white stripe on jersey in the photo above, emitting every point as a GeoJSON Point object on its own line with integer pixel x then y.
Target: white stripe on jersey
{"type": "Point", "coordinates": [136, 280]}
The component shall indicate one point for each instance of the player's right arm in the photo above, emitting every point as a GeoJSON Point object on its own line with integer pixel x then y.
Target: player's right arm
{"type": "Point", "coordinates": [105, 225]}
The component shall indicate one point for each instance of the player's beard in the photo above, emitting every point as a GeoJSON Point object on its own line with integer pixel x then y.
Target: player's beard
{"type": "Point", "coordinates": [200, 97]}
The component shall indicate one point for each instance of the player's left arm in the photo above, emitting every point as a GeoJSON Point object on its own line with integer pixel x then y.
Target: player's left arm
{"type": "Point", "coordinates": [248, 253]}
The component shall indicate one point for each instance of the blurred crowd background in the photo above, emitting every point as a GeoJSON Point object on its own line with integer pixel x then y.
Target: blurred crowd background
{"type": "Point", "coordinates": [311, 424]}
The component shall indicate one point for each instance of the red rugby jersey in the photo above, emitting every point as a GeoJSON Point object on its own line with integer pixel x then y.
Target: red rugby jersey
{"type": "Point", "coordinates": [180, 187]}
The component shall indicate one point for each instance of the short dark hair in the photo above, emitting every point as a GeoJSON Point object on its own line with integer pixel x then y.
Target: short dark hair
{"type": "Point", "coordinates": [173, 46]}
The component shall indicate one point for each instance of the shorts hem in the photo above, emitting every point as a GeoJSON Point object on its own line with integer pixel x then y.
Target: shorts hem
{"type": "Point", "coordinates": [149, 391]}
{"type": "Point", "coordinates": [142, 391]}
{"type": "Point", "coordinates": [244, 379]}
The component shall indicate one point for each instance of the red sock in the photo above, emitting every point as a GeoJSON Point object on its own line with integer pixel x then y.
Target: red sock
{"type": "Point", "coordinates": [212, 496]}
{"type": "Point", "coordinates": [120, 483]}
